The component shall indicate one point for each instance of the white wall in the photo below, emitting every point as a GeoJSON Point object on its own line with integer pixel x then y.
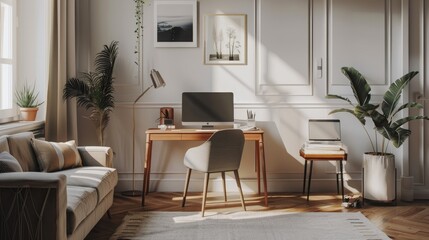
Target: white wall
{"type": "Point", "coordinates": [283, 118]}
{"type": "Point", "coordinates": [33, 48]}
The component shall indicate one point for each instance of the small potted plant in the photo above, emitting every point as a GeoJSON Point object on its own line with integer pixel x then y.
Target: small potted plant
{"type": "Point", "coordinates": [26, 99]}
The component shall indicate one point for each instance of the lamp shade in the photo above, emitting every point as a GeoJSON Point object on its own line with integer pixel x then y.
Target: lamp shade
{"type": "Point", "coordinates": [157, 79]}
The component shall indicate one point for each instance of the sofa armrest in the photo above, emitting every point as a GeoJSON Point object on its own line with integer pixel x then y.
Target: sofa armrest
{"type": "Point", "coordinates": [96, 156]}
{"type": "Point", "coordinates": [33, 205]}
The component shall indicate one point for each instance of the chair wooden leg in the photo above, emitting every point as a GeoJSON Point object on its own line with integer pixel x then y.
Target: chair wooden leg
{"type": "Point", "coordinates": [224, 185]}
{"type": "Point", "coordinates": [237, 179]}
{"type": "Point", "coordinates": [185, 190]}
{"type": "Point", "coordinates": [206, 185]}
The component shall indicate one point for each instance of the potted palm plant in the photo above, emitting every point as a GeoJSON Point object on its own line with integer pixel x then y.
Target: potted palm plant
{"type": "Point", "coordinates": [387, 124]}
{"type": "Point", "coordinates": [94, 90]}
{"type": "Point", "coordinates": [26, 99]}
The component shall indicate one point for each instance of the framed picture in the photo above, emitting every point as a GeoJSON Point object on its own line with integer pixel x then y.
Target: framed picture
{"type": "Point", "coordinates": [225, 39]}
{"type": "Point", "coordinates": [175, 23]}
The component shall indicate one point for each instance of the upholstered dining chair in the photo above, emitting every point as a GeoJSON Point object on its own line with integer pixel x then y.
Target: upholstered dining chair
{"type": "Point", "coordinates": [220, 153]}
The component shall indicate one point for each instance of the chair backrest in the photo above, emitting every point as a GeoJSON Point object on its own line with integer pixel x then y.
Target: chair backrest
{"type": "Point", "coordinates": [226, 148]}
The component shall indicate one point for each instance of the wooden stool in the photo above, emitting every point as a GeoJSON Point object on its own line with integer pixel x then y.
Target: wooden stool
{"type": "Point", "coordinates": [340, 156]}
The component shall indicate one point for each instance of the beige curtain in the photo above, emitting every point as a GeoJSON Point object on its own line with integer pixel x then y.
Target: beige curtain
{"type": "Point", "coordinates": [61, 117]}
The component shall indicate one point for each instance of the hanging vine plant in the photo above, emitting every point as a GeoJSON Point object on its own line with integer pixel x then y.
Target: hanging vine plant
{"type": "Point", "coordinates": [138, 15]}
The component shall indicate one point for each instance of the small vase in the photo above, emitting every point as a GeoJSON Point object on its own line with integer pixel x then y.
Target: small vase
{"type": "Point", "coordinates": [28, 114]}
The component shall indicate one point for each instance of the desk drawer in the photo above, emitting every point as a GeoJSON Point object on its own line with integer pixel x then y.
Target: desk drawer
{"type": "Point", "coordinates": [196, 137]}
{"type": "Point", "coordinates": [252, 137]}
{"type": "Point", "coordinates": [165, 137]}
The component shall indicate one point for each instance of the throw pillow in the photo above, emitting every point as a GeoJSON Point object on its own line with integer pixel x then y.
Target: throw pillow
{"type": "Point", "coordinates": [4, 146]}
{"type": "Point", "coordinates": [20, 147]}
{"type": "Point", "coordinates": [53, 156]}
{"type": "Point", "coordinates": [8, 163]}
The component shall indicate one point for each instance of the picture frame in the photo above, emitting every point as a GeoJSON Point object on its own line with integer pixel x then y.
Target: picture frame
{"type": "Point", "coordinates": [225, 39]}
{"type": "Point", "coordinates": [175, 23]}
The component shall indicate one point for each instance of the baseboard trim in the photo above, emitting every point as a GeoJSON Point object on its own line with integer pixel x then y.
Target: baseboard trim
{"type": "Point", "coordinates": [248, 185]}
{"type": "Point", "coordinates": [421, 194]}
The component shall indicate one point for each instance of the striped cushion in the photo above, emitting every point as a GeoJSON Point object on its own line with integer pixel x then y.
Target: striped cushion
{"type": "Point", "coordinates": [53, 156]}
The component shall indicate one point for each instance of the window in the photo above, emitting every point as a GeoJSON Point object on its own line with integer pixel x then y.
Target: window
{"type": "Point", "coordinates": [7, 59]}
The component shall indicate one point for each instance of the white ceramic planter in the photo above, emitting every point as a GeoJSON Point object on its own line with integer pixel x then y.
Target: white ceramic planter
{"type": "Point", "coordinates": [379, 177]}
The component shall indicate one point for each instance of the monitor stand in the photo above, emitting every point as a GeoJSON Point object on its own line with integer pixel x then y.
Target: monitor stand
{"type": "Point", "coordinates": [207, 127]}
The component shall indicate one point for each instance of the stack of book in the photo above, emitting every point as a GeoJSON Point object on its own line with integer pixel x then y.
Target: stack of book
{"type": "Point", "coordinates": [310, 147]}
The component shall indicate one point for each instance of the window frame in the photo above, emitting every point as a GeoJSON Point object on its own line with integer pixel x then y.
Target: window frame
{"type": "Point", "coordinates": [11, 114]}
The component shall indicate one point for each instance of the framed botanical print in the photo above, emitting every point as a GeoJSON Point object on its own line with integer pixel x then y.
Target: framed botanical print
{"type": "Point", "coordinates": [175, 23]}
{"type": "Point", "coordinates": [225, 39]}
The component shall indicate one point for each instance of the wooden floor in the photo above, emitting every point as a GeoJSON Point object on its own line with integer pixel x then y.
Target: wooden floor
{"type": "Point", "coordinates": [403, 221]}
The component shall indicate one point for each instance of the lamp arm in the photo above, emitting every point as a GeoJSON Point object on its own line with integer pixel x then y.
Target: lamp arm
{"type": "Point", "coordinates": [141, 95]}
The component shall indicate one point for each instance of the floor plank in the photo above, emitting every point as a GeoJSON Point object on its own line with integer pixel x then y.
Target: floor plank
{"type": "Point", "coordinates": [406, 220]}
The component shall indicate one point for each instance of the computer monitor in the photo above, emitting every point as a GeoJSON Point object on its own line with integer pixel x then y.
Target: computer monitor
{"type": "Point", "coordinates": [207, 109]}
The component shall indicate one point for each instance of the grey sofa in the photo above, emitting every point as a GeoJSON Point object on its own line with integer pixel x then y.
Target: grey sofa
{"type": "Point", "coordinates": [64, 204]}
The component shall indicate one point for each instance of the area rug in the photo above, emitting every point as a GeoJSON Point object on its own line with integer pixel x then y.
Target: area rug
{"type": "Point", "coordinates": [247, 225]}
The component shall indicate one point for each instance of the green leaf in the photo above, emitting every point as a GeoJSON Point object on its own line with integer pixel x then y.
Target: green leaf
{"type": "Point", "coordinates": [359, 85]}
{"type": "Point", "coordinates": [379, 119]}
{"type": "Point", "coordinates": [402, 121]}
{"type": "Point", "coordinates": [398, 136]}
{"type": "Point", "coordinates": [408, 105]}
{"type": "Point", "coordinates": [392, 96]}
{"type": "Point", "coordinates": [27, 97]}
{"type": "Point", "coordinates": [331, 96]}
{"type": "Point", "coordinates": [341, 110]}
{"type": "Point", "coordinates": [368, 108]}
{"type": "Point", "coordinates": [360, 117]}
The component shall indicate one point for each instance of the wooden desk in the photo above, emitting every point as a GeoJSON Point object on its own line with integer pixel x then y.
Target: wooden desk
{"type": "Point", "coordinates": [322, 157]}
{"type": "Point", "coordinates": [202, 135]}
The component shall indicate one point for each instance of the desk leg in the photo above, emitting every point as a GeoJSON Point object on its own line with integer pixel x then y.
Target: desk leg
{"type": "Point", "coordinates": [149, 164]}
{"type": "Point", "coordinates": [309, 179]}
{"type": "Point", "coordinates": [342, 180]}
{"type": "Point", "coordinates": [305, 176]}
{"type": "Point", "coordinates": [257, 166]}
{"type": "Point", "coordinates": [338, 187]}
{"type": "Point", "coordinates": [146, 171]}
{"type": "Point", "coordinates": [264, 170]}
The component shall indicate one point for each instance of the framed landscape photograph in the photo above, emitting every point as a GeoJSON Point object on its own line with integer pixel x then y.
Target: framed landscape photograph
{"type": "Point", "coordinates": [175, 23]}
{"type": "Point", "coordinates": [225, 39]}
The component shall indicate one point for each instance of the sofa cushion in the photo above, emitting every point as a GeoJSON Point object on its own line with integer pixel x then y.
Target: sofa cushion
{"type": "Point", "coordinates": [20, 147]}
{"type": "Point", "coordinates": [81, 201]}
{"type": "Point", "coordinates": [8, 163]}
{"type": "Point", "coordinates": [101, 178]}
{"type": "Point", "coordinates": [53, 156]}
{"type": "Point", "coordinates": [4, 146]}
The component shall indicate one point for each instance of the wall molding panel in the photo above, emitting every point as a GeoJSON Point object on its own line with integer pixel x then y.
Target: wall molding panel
{"type": "Point", "coordinates": [356, 31]}
{"type": "Point", "coordinates": [284, 58]}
